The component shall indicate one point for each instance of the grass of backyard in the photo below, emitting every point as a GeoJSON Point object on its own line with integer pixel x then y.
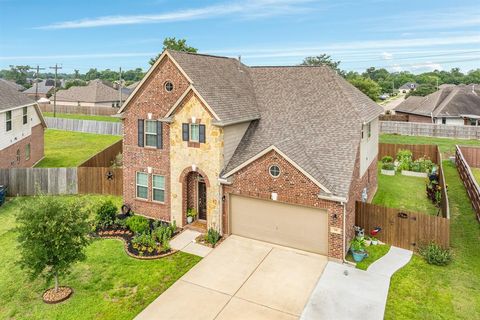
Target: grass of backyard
{"type": "Point", "coordinates": [476, 173]}
{"type": "Point", "coordinates": [374, 253]}
{"type": "Point", "coordinates": [423, 291]}
{"type": "Point", "coordinates": [107, 285]}
{"type": "Point", "coordinates": [82, 117]}
{"type": "Point", "coordinates": [403, 192]}
{"type": "Point", "coordinates": [69, 148]}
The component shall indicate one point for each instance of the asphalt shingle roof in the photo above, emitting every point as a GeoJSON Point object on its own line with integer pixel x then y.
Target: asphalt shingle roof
{"type": "Point", "coordinates": [95, 91]}
{"type": "Point", "coordinates": [44, 87]}
{"type": "Point", "coordinates": [11, 98]}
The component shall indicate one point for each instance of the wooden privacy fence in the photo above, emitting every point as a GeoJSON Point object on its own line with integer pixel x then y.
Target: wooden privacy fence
{"type": "Point", "coordinates": [105, 157]}
{"type": "Point", "coordinates": [394, 117]}
{"type": "Point", "coordinates": [87, 126]}
{"type": "Point", "coordinates": [430, 130]}
{"type": "Point", "coordinates": [31, 181]}
{"type": "Point", "coordinates": [403, 229]}
{"type": "Point", "coordinates": [465, 172]}
{"type": "Point", "coordinates": [91, 111]}
{"type": "Point", "coordinates": [100, 180]}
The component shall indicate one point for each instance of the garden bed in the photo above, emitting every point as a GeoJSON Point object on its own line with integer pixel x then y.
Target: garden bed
{"type": "Point", "coordinates": [201, 239]}
{"type": "Point", "coordinates": [51, 296]}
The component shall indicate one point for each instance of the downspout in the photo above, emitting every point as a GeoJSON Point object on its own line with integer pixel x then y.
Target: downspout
{"type": "Point", "coordinates": [344, 231]}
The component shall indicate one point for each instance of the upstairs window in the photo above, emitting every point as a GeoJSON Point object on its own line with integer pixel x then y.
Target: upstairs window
{"type": "Point", "coordinates": [8, 120]}
{"type": "Point", "coordinates": [151, 133]}
{"type": "Point", "coordinates": [25, 115]}
{"type": "Point", "coordinates": [369, 129]}
{"type": "Point", "coordinates": [194, 132]}
{"type": "Point", "coordinates": [168, 86]}
{"type": "Point", "coordinates": [27, 152]}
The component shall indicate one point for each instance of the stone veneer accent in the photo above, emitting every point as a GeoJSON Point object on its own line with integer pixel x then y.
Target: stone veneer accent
{"type": "Point", "coordinates": [8, 155]}
{"type": "Point", "coordinates": [207, 157]}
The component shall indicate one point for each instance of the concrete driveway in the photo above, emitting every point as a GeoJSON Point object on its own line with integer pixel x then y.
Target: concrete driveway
{"type": "Point", "coordinates": [242, 279]}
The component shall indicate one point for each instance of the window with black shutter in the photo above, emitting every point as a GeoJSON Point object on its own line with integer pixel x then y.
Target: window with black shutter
{"type": "Point", "coordinates": [202, 133]}
{"type": "Point", "coordinates": [140, 133]}
{"type": "Point", "coordinates": [185, 133]}
{"type": "Point", "coordinates": [159, 135]}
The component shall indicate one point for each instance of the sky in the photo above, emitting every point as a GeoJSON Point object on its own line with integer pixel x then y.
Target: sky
{"type": "Point", "coordinates": [414, 36]}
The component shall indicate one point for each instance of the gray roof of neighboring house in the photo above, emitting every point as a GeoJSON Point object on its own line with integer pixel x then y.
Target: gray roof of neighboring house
{"type": "Point", "coordinates": [133, 85]}
{"type": "Point", "coordinates": [13, 84]}
{"type": "Point", "coordinates": [408, 86]}
{"type": "Point", "coordinates": [313, 116]}
{"type": "Point", "coordinates": [95, 91]}
{"type": "Point", "coordinates": [449, 101]}
{"type": "Point", "coordinates": [44, 87]}
{"type": "Point", "coordinates": [11, 98]}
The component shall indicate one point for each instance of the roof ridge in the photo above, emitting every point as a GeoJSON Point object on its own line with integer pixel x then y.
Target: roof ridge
{"type": "Point", "coordinates": [201, 54]}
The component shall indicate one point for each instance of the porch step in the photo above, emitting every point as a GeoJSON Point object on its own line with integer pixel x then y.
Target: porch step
{"type": "Point", "coordinates": [197, 225]}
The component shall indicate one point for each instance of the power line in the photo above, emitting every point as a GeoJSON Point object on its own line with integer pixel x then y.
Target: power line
{"type": "Point", "coordinates": [55, 90]}
{"type": "Point", "coordinates": [36, 81]}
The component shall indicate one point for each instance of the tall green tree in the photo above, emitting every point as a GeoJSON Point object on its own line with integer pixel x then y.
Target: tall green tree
{"type": "Point", "coordinates": [323, 60]}
{"type": "Point", "coordinates": [52, 234]}
{"type": "Point", "coordinates": [367, 86]}
{"type": "Point", "coordinates": [174, 44]}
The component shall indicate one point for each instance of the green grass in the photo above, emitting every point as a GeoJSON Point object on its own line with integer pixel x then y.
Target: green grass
{"type": "Point", "coordinates": [82, 117]}
{"type": "Point", "coordinates": [423, 291]}
{"type": "Point", "coordinates": [107, 285]}
{"type": "Point", "coordinates": [476, 174]}
{"type": "Point", "coordinates": [69, 148]}
{"type": "Point", "coordinates": [403, 192]}
{"type": "Point", "coordinates": [374, 253]}
{"type": "Point", "coordinates": [446, 145]}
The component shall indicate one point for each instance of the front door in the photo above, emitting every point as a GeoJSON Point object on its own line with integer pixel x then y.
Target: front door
{"type": "Point", "coordinates": [202, 200]}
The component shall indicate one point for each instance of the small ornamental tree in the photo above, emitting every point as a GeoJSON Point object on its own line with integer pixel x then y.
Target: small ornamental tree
{"type": "Point", "coordinates": [53, 234]}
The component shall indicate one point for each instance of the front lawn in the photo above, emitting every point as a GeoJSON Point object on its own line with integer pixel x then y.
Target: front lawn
{"type": "Point", "coordinates": [423, 291]}
{"type": "Point", "coordinates": [374, 253]}
{"type": "Point", "coordinates": [403, 192]}
{"type": "Point", "coordinates": [82, 117]}
{"type": "Point", "coordinates": [69, 148]}
{"type": "Point", "coordinates": [107, 285]}
{"type": "Point", "coordinates": [476, 174]}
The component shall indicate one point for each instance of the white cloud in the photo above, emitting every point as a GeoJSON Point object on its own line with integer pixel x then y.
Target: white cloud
{"type": "Point", "coordinates": [246, 9]}
{"type": "Point", "coordinates": [387, 55]}
{"type": "Point", "coordinates": [426, 66]}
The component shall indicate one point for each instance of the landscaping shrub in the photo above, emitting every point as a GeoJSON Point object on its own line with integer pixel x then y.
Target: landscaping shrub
{"type": "Point", "coordinates": [404, 158]}
{"type": "Point", "coordinates": [138, 224]}
{"type": "Point", "coordinates": [212, 236]}
{"type": "Point", "coordinates": [162, 233]}
{"type": "Point", "coordinates": [434, 254]}
{"type": "Point", "coordinates": [106, 214]}
{"type": "Point", "coordinates": [144, 242]}
{"type": "Point", "coordinates": [421, 165]}
{"type": "Point", "coordinates": [387, 159]}
{"type": "Point", "coordinates": [388, 166]}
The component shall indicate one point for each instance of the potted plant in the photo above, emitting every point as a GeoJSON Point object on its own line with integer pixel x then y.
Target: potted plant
{"type": "Point", "coordinates": [357, 247]}
{"type": "Point", "coordinates": [374, 241]}
{"type": "Point", "coordinates": [191, 215]}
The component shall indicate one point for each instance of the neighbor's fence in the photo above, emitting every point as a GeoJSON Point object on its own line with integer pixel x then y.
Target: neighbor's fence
{"type": "Point", "coordinates": [87, 126]}
{"type": "Point", "coordinates": [91, 111]}
{"type": "Point", "coordinates": [105, 157]}
{"type": "Point", "coordinates": [430, 130]}
{"type": "Point", "coordinates": [394, 117]}
{"type": "Point", "coordinates": [418, 151]}
{"type": "Point", "coordinates": [100, 180]}
{"type": "Point", "coordinates": [401, 228]}
{"type": "Point", "coordinates": [465, 172]}
{"type": "Point", "coordinates": [30, 181]}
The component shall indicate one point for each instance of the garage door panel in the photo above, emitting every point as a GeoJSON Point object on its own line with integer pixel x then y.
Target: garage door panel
{"type": "Point", "coordinates": [288, 225]}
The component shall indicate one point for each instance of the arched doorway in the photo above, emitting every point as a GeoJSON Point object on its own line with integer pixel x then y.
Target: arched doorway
{"type": "Point", "coordinates": [195, 186]}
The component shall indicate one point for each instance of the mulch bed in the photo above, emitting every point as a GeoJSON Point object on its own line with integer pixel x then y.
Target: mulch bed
{"type": "Point", "coordinates": [51, 296]}
{"type": "Point", "coordinates": [201, 240]}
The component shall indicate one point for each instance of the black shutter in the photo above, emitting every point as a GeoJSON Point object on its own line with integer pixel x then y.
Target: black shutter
{"type": "Point", "coordinates": [201, 133]}
{"type": "Point", "coordinates": [159, 135]}
{"type": "Point", "coordinates": [140, 133]}
{"type": "Point", "coordinates": [185, 133]}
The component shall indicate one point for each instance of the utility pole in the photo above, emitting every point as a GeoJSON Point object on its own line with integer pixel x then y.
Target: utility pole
{"type": "Point", "coordinates": [36, 81]}
{"type": "Point", "coordinates": [55, 90]}
{"type": "Point", "coordinates": [120, 85]}
{"type": "Point", "coordinates": [76, 73]}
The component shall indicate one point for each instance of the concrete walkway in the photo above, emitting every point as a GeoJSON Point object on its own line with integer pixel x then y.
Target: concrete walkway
{"type": "Point", "coordinates": [242, 279]}
{"type": "Point", "coordinates": [185, 242]}
{"type": "Point", "coordinates": [344, 292]}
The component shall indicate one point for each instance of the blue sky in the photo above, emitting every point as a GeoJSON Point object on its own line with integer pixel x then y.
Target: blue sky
{"type": "Point", "coordinates": [399, 35]}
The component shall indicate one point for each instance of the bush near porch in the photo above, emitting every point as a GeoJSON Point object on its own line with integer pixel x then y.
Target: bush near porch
{"type": "Point", "coordinates": [108, 285]}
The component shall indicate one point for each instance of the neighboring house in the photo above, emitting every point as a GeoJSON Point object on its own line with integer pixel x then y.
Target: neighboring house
{"type": "Point", "coordinates": [21, 129]}
{"type": "Point", "coordinates": [455, 105]}
{"type": "Point", "coordinates": [278, 154]}
{"type": "Point", "coordinates": [45, 88]}
{"type": "Point", "coordinates": [96, 93]}
{"type": "Point", "coordinates": [407, 87]}
{"type": "Point", "coordinates": [13, 84]}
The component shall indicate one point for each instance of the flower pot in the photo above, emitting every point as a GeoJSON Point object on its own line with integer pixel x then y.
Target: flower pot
{"type": "Point", "coordinates": [358, 256]}
{"type": "Point", "coordinates": [189, 219]}
{"type": "Point", "coordinates": [374, 242]}
{"type": "Point", "coordinates": [368, 242]}
{"type": "Point", "coordinates": [388, 172]}
{"type": "Point", "coordinates": [414, 174]}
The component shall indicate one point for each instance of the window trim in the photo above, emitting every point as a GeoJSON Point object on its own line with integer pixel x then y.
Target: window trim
{"type": "Point", "coordinates": [8, 121]}
{"type": "Point", "coordinates": [25, 115]}
{"type": "Point", "coordinates": [138, 185]}
{"type": "Point", "coordinates": [154, 188]}
{"type": "Point", "coordinates": [270, 171]}
{"type": "Point", "coordinates": [145, 134]}
{"type": "Point", "coordinates": [28, 154]}
{"type": "Point", "coordinates": [168, 82]}
{"type": "Point", "coordinates": [191, 131]}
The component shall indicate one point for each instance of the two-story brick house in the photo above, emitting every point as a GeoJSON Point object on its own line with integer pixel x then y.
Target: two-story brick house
{"type": "Point", "coordinates": [21, 129]}
{"type": "Point", "coordinates": [278, 154]}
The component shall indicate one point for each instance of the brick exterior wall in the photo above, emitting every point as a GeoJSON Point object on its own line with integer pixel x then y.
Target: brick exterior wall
{"type": "Point", "coordinates": [293, 187]}
{"type": "Point", "coordinates": [8, 156]}
{"type": "Point", "coordinates": [151, 98]}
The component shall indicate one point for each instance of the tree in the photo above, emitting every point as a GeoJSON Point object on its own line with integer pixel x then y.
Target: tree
{"type": "Point", "coordinates": [323, 60]}
{"type": "Point", "coordinates": [53, 234]}
{"type": "Point", "coordinates": [74, 83]}
{"type": "Point", "coordinates": [367, 86]}
{"type": "Point", "coordinates": [174, 44]}
{"type": "Point", "coordinates": [423, 90]}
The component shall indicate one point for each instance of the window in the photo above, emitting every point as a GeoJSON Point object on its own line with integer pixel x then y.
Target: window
{"type": "Point", "coordinates": [8, 121]}
{"type": "Point", "coordinates": [158, 187]}
{"type": "Point", "coordinates": [25, 115]}
{"type": "Point", "coordinates": [194, 132]}
{"type": "Point", "coordinates": [18, 155]}
{"type": "Point", "coordinates": [444, 120]}
{"type": "Point", "coordinates": [151, 133]}
{"type": "Point", "coordinates": [27, 152]}
{"type": "Point", "coordinates": [168, 86]}
{"type": "Point", "coordinates": [142, 185]}
{"type": "Point", "coordinates": [274, 171]}
{"type": "Point", "coordinates": [369, 129]}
